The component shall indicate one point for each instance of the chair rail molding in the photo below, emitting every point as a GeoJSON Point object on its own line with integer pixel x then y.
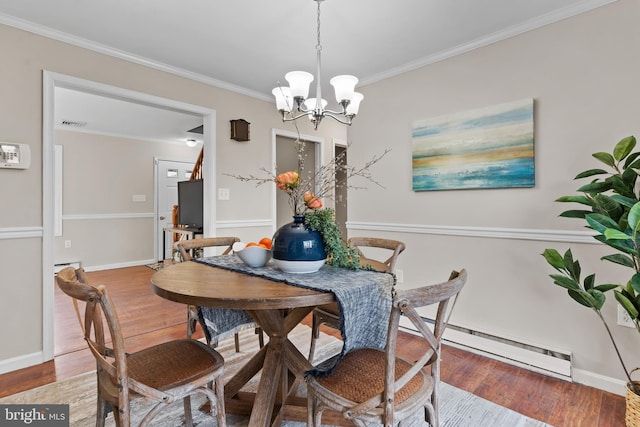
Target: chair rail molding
{"type": "Point", "coordinates": [20, 233]}
{"type": "Point", "coordinates": [244, 223]}
{"type": "Point", "coordinates": [567, 236]}
{"type": "Point", "coordinates": [102, 216]}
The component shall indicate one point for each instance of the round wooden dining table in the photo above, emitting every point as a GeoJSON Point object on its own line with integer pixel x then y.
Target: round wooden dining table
{"type": "Point", "coordinates": [277, 308]}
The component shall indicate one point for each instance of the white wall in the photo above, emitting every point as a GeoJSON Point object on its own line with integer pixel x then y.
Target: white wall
{"type": "Point", "coordinates": [582, 73]}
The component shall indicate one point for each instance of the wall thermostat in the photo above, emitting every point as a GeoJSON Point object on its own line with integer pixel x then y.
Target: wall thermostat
{"type": "Point", "coordinates": [14, 156]}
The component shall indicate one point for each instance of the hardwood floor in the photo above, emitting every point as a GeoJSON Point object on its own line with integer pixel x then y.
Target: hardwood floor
{"type": "Point", "coordinates": [544, 398]}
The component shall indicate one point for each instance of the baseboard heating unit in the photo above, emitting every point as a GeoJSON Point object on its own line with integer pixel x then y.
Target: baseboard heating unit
{"type": "Point", "coordinates": [553, 362]}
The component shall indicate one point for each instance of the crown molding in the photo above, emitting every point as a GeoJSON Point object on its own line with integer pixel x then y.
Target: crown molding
{"type": "Point", "coordinates": [120, 54]}
{"type": "Point", "coordinates": [507, 33]}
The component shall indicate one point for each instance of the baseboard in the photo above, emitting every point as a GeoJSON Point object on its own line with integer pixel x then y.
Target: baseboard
{"type": "Point", "coordinates": [20, 362]}
{"type": "Point", "coordinates": [119, 265]}
{"type": "Point", "coordinates": [600, 382]}
{"type": "Point", "coordinates": [551, 362]}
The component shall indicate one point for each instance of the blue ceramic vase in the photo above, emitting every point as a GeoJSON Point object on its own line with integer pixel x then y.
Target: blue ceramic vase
{"type": "Point", "coordinates": [298, 249]}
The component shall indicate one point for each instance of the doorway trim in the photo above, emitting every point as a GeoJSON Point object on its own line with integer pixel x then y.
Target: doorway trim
{"type": "Point", "coordinates": [51, 80]}
{"type": "Point", "coordinates": [275, 133]}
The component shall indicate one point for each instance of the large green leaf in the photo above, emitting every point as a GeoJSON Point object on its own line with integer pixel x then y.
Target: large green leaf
{"type": "Point", "coordinates": [624, 147]}
{"type": "Point", "coordinates": [569, 264]}
{"type": "Point", "coordinates": [565, 282]}
{"type": "Point", "coordinates": [605, 287]}
{"type": "Point", "coordinates": [596, 187]}
{"type": "Point", "coordinates": [607, 206]}
{"type": "Point", "coordinates": [605, 158]}
{"type": "Point", "coordinates": [625, 201]}
{"type": "Point", "coordinates": [634, 217]}
{"type": "Point", "coordinates": [589, 281]}
{"type": "Point", "coordinates": [554, 258]}
{"type": "Point", "coordinates": [575, 214]}
{"type": "Point", "coordinates": [583, 297]}
{"type": "Point", "coordinates": [625, 246]}
{"type": "Point", "coordinates": [626, 304]}
{"type": "Point", "coordinates": [629, 176]}
{"type": "Point", "coordinates": [620, 186]}
{"type": "Point", "coordinates": [612, 234]}
{"type": "Point", "coordinates": [599, 297]}
{"type": "Point", "coordinates": [591, 172]}
{"type": "Point", "coordinates": [621, 259]}
{"type": "Point", "coordinates": [600, 222]}
{"type": "Point", "coordinates": [575, 199]}
{"type": "Point", "coordinates": [635, 283]}
{"type": "Point", "coordinates": [631, 160]}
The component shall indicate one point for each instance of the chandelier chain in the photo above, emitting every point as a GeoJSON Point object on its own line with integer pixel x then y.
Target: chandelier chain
{"type": "Point", "coordinates": [318, 46]}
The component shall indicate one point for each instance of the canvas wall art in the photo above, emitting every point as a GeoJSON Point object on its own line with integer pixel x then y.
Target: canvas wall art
{"type": "Point", "coordinates": [490, 147]}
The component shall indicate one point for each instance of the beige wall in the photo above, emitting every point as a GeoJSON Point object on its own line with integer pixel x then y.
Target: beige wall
{"type": "Point", "coordinates": [25, 57]}
{"type": "Point", "coordinates": [100, 176]}
{"type": "Point", "coordinates": [582, 73]}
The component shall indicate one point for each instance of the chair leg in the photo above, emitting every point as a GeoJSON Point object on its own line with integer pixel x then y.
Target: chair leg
{"type": "Point", "coordinates": [188, 419]}
{"type": "Point", "coordinates": [260, 337]}
{"type": "Point", "coordinates": [315, 334]}
{"type": "Point", "coordinates": [102, 411]}
{"type": "Point", "coordinates": [221, 417]}
{"type": "Point", "coordinates": [236, 339]}
{"type": "Point", "coordinates": [311, 409]}
{"type": "Point", "coordinates": [430, 415]}
{"type": "Point", "coordinates": [192, 320]}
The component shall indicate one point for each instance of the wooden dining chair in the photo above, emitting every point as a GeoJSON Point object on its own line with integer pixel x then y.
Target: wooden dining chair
{"type": "Point", "coordinates": [164, 373]}
{"type": "Point", "coordinates": [376, 386]}
{"type": "Point", "coordinates": [191, 247]}
{"type": "Point", "coordinates": [329, 314]}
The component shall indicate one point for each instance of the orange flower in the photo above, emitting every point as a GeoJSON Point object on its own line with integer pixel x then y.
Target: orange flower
{"type": "Point", "coordinates": [287, 180]}
{"type": "Point", "coordinates": [312, 201]}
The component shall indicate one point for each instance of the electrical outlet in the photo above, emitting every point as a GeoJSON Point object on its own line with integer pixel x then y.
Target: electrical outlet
{"type": "Point", "coordinates": [624, 319]}
{"type": "Point", "coordinates": [399, 276]}
{"type": "Point", "coordinates": [223, 194]}
{"type": "Point", "coordinates": [67, 244]}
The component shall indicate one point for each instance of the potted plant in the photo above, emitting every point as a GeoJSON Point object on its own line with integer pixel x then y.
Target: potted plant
{"type": "Point", "coordinates": [294, 244]}
{"type": "Point", "coordinates": [339, 254]}
{"type": "Point", "coordinates": [612, 211]}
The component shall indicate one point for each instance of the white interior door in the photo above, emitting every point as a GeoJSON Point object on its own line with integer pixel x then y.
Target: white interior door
{"type": "Point", "coordinates": [168, 173]}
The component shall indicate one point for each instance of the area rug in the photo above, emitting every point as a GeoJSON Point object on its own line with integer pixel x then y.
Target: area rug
{"type": "Point", "coordinates": [159, 265]}
{"type": "Point", "coordinates": [458, 407]}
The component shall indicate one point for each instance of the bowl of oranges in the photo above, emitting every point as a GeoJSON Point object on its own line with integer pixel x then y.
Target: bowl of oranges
{"type": "Point", "coordinates": [254, 254]}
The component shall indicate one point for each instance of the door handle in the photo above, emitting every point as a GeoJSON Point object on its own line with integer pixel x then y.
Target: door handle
{"type": "Point", "coordinates": [162, 218]}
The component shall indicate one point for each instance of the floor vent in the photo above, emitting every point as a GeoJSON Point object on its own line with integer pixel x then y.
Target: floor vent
{"type": "Point", "coordinates": [552, 362]}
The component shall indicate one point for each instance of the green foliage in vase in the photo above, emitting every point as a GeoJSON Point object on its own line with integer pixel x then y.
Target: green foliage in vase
{"type": "Point", "coordinates": [339, 254]}
{"type": "Point", "coordinates": [614, 214]}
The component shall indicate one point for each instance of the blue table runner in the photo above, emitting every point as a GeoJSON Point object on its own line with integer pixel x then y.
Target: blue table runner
{"type": "Point", "coordinates": [364, 298]}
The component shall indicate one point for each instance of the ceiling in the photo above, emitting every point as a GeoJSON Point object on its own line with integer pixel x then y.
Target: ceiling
{"type": "Point", "coordinates": [247, 46]}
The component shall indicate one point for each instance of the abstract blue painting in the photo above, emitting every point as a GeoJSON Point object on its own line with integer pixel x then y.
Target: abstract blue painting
{"type": "Point", "coordinates": [490, 147]}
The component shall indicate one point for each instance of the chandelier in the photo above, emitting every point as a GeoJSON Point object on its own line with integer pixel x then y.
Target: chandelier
{"type": "Point", "coordinates": [293, 101]}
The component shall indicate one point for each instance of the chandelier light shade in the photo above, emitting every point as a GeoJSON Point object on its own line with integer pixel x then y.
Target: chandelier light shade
{"type": "Point", "coordinates": [293, 101]}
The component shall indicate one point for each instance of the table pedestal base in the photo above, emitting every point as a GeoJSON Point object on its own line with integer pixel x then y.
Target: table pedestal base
{"type": "Point", "coordinates": [282, 369]}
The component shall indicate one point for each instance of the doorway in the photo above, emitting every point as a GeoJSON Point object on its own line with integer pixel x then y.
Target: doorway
{"type": "Point", "coordinates": [340, 190]}
{"type": "Point", "coordinates": [51, 81]}
{"type": "Point", "coordinates": [285, 155]}
{"type": "Point", "coordinates": [168, 173]}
